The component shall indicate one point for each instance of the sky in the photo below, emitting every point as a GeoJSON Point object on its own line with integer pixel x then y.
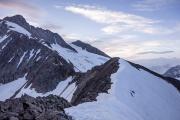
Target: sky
{"type": "Point", "coordinates": [130, 29]}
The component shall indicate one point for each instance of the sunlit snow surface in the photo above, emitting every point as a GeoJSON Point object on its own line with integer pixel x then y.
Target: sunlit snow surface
{"type": "Point", "coordinates": [153, 98]}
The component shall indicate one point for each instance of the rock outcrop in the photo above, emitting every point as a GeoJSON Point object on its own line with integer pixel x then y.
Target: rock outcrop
{"type": "Point", "coordinates": [95, 81]}
{"type": "Point", "coordinates": [29, 108]}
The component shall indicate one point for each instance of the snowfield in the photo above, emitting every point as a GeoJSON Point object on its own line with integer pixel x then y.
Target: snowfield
{"type": "Point", "coordinates": [135, 95]}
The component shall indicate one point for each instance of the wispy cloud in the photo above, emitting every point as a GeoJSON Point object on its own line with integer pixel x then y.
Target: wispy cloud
{"type": "Point", "coordinates": [152, 5]}
{"type": "Point", "coordinates": [117, 22]}
{"type": "Point", "coordinates": [70, 37]}
{"type": "Point", "coordinates": [21, 7]}
{"type": "Point", "coordinates": [135, 48]}
{"type": "Point", "coordinates": [58, 6]}
{"type": "Point", "coordinates": [155, 52]}
{"type": "Point", "coordinates": [124, 33]}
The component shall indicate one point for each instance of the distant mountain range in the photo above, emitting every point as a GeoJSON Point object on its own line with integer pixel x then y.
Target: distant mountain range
{"type": "Point", "coordinates": [48, 78]}
{"type": "Point", "coordinates": [173, 72]}
{"type": "Point", "coordinates": [159, 65]}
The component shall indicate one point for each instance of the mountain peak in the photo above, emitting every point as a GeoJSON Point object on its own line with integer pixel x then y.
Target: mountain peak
{"type": "Point", "coordinates": [18, 19]}
{"type": "Point", "coordinates": [36, 32]}
{"type": "Point", "coordinates": [15, 17]}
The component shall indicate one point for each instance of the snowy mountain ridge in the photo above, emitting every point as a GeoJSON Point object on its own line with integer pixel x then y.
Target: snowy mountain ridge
{"type": "Point", "coordinates": [39, 62]}
{"type": "Point", "coordinates": [24, 53]}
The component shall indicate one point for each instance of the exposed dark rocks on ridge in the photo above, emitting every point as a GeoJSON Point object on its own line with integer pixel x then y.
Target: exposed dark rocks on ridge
{"type": "Point", "coordinates": [89, 48]}
{"type": "Point", "coordinates": [95, 81]}
{"type": "Point", "coordinates": [29, 108]}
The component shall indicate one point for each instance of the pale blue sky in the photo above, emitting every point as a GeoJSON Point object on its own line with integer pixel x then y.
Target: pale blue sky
{"type": "Point", "coordinates": [131, 29]}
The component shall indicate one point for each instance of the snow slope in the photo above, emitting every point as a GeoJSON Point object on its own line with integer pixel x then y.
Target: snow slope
{"type": "Point", "coordinates": [7, 90]}
{"type": "Point", "coordinates": [82, 60]}
{"type": "Point", "coordinates": [134, 95]}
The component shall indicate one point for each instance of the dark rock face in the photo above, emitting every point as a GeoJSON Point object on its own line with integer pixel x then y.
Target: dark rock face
{"type": "Point", "coordinates": [89, 48]}
{"type": "Point", "coordinates": [97, 80]}
{"type": "Point", "coordinates": [3, 28]}
{"type": "Point", "coordinates": [173, 72]}
{"type": "Point", "coordinates": [43, 35]}
{"type": "Point", "coordinates": [174, 82]}
{"type": "Point", "coordinates": [29, 108]}
{"type": "Point", "coordinates": [23, 55]}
